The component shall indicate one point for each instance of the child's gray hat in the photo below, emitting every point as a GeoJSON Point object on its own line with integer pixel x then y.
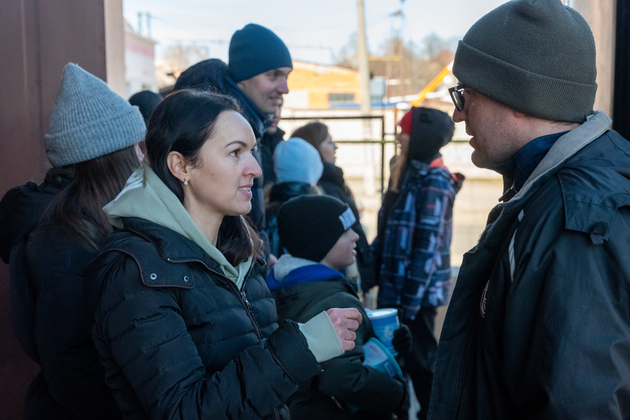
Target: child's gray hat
{"type": "Point", "coordinates": [89, 120]}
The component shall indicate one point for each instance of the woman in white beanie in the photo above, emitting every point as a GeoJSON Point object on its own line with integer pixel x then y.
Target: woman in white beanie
{"type": "Point", "coordinates": [183, 321]}
{"type": "Point", "coordinates": [93, 131]}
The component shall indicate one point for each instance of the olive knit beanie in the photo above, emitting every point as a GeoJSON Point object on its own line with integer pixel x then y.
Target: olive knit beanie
{"type": "Point", "coordinates": [310, 225]}
{"type": "Point", "coordinates": [535, 56]}
{"type": "Point", "coordinates": [89, 120]}
{"type": "Point", "coordinates": [255, 50]}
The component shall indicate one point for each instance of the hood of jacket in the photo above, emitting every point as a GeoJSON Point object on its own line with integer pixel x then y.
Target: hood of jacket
{"type": "Point", "coordinates": [213, 75]}
{"type": "Point", "coordinates": [289, 271]}
{"type": "Point", "coordinates": [146, 197]}
{"type": "Point", "coordinates": [284, 191]}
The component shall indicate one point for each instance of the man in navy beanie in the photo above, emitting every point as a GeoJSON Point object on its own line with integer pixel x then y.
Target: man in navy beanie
{"type": "Point", "coordinates": [256, 75]}
{"type": "Point", "coordinates": [538, 324]}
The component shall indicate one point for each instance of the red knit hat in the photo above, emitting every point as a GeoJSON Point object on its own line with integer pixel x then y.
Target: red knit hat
{"type": "Point", "coordinates": [405, 123]}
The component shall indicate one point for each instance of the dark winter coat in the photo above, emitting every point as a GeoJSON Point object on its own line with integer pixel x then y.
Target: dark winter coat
{"type": "Point", "coordinates": [538, 324]}
{"type": "Point", "coordinates": [333, 184]}
{"type": "Point", "coordinates": [278, 195]}
{"type": "Point", "coordinates": [47, 306]}
{"type": "Point", "coordinates": [268, 145]}
{"type": "Point", "coordinates": [179, 340]}
{"type": "Point", "coordinates": [70, 365]}
{"type": "Point", "coordinates": [213, 75]}
{"type": "Point", "coordinates": [345, 381]}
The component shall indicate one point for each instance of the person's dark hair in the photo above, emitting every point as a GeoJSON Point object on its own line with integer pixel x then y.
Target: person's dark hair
{"type": "Point", "coordinates": [314, 133]}
{"type": "Point", "coordinates": [182, 123]}
{"type": "Point", "coordinates": [79, 206]}
{"type": "Point", "coordinates": [146, 101]}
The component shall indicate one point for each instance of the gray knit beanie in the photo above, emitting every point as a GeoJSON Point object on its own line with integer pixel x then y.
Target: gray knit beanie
{"type": "Point", "coordinates": [89, 120]}
{"type": "Point", "coordinates": [535, 56]}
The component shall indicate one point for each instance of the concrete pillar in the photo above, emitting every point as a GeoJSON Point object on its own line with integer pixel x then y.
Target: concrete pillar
{"type": "Point", "coordinates": [115, 46]}
{"type": "Point", "coordinates": [601, 16]}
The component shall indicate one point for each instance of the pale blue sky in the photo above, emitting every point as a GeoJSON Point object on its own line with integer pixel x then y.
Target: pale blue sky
{"type": "Point", "coordinates": [311, 29]}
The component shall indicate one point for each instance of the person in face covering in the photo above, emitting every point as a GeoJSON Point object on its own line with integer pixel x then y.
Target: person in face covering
{"type": "Point", "coordinates": [412, 249]}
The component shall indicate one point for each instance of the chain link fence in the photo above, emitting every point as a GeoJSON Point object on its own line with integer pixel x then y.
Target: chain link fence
{"type": "Point", "coordinates": [364, 152]}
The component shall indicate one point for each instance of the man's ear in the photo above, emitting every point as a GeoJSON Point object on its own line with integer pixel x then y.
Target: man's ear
{"type": "Point", "coordinates": [178, 166]}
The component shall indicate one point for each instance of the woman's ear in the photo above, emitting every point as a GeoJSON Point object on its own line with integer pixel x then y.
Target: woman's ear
{"type": "Point", "coordinates": [178, 166]}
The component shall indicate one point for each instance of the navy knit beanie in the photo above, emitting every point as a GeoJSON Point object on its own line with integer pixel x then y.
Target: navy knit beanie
{"type": "Point", "coordinates": [310, 225]}
{"type": "Point", "coordinates": [255, 50]}
{"type": "Point", "coordinates": [535, 56]}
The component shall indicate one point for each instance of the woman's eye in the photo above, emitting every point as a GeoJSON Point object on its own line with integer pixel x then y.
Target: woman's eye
{"type": "Point", "coordinates": [234, 153]}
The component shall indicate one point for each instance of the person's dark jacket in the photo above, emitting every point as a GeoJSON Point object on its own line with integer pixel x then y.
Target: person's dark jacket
{"type": "Point", "coordinates": [345, 381]}
{"type": "Point", "coordinates": [538, 324]}
{"type": "Point", "coordinates": [268, 145]}
{"type": "Point", "coordinates": [74, 376]}
{"type": "Point", "coordinates": [278, 195]}
{"type": "Point", "coordinates": [213, 75]}
{"type": "Point", "coordinates": [46, 306]}
{"type": "Point", "coordinates": [179, 340]}
{"type": "Point", "coordinates": [333, 184]}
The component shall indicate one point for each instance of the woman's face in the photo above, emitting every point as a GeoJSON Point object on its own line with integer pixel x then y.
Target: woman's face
{"type": "Point", "coordinates": [403, 139]}
{"type": "Point", "coordinates": [221, 181]}
{"type": "Point", "coordinates": [327, 150]}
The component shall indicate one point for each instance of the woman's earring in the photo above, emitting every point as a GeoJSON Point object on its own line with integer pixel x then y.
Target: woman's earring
{"type": "Point", "coordinates": [186, 182]}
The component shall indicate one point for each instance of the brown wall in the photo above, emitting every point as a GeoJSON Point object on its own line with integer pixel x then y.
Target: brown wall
{"type": "Point", "coordinates": [37, 38]}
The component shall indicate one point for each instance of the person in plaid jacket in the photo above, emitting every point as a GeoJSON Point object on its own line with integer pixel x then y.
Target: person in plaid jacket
{"type": "Point", "coordinates": [412, 248]}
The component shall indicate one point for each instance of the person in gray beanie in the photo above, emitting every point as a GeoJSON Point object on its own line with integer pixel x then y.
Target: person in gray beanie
{"type": "Point", "coordinates": [256, 75]}
{"type": "Point", "coordinates": [298, 168]}
{"type": "Point", "coordinates": [537, 326]}
{"type": "Point", "coordinates": [93, 136]}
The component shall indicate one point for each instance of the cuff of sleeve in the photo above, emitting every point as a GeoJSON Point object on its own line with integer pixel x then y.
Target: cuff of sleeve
{"type": "Point", "coordinates": [322, 338]}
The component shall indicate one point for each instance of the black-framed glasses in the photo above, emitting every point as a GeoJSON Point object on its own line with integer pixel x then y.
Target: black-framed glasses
{"type": "Point", "coordinates": [457, 96]}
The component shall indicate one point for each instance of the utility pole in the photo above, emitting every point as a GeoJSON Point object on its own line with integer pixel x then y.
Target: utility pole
{"type": "Point", "coordinates": [364, 66]}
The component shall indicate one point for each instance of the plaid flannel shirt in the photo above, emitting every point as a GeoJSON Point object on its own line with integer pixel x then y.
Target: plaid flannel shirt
{"type": "Point", "coordinates": [415, 268]}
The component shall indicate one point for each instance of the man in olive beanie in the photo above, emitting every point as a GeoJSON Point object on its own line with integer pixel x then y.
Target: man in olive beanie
{"type": "Point", "coordinates": [538, 324]}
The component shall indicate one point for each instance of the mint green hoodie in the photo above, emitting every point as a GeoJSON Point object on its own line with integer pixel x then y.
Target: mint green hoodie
{"type": "Point", "coordinates": [146, 197]}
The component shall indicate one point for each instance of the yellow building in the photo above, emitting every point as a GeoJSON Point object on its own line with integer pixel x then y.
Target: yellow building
{"type": "Point", "coordinates": [319, 86]}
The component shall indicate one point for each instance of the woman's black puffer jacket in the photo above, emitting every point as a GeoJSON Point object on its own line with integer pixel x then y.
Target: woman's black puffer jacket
{"type": "Point", "coordinates": [180, 341]}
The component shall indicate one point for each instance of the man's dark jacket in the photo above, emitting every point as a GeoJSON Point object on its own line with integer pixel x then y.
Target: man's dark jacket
{"type": "Point", "coordinates": [345, 378]}
{"type": "Point", "coordinates": [538, 325]}
{"type": "Point", "coordinates": [179, 340]}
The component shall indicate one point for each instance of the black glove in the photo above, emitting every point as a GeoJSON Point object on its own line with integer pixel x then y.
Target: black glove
{"type": "Point", "coordinates": [402, 340]}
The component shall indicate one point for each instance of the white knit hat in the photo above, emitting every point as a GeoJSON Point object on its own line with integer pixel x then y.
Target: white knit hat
{"type": "Point", "coordinates": [296, 160]}
{"type": "Point", "coordinates": [89, 120]}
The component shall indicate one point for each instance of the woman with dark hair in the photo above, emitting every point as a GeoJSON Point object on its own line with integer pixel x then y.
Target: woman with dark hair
{"type": "Point", "coordinates": [333, 183]}
{"type": "Point", "coordinates": [412, 248]}
{"type": "Point", "coordinates": [93, 134]}
{"type": "Point", "coordinates": [184, 324]}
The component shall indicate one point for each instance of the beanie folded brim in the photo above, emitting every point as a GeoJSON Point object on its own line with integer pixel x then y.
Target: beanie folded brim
{"type": "Point", "coordinates": [533, 94]}
{"type": "Point", "coordinates": [111, 133]}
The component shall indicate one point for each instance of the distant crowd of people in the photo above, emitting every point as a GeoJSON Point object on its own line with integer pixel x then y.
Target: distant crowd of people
{"type": "Point", "coordinates": [182, 259]}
